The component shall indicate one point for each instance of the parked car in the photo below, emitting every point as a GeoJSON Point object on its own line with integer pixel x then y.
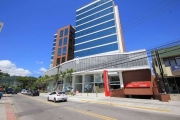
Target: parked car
{"type": "Point", "coordinates": [57, 96]}
{"type": "Point", "coordinates": [10, 91]}
{"type": "Point", "coordinates": [24, 91]}
{"type": "Point", "coordinates": [33, 92]}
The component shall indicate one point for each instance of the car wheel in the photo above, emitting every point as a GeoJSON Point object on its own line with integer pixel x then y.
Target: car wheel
{"type": "Point", "coordinates": [65, 101]}
{"type": "Point", "coordinates": [54, 99]}
{"type": "Point", "coordinates": [47, 98]}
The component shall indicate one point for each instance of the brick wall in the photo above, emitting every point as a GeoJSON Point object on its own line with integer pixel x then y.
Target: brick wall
{"type": "Point", "coordinates": [135, 76]}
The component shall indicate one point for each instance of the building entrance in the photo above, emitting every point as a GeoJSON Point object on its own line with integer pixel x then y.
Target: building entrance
{"type": "Point", "coordinates": [174, 84]}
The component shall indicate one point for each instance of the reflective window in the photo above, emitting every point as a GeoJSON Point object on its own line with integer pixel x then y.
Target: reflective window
{"type": "Point", "coordinates": [172, 62]}
{"type": "Point", "coordinates": [178, 60]}
{"type": "Point", "coordinates": [54, 44]}
{"type": "Point", "coordinates": [66, 32]}
{"type": "Point", "coordinates": [52, 57]}
{"type": "Point", "coordinates": [53, 53]}
{"type": "Point", "coordinates": [53, 48]}
{"type": "Point", "coordinates": [109, 10]}
{"type": "Point", "coordinates": [64, 50]}
{"type": "Point", "coordinates": [59, 51]}
{"type": "Point", "coordinates": [96, 35]}
{"type": "Point", "coordinates": [63, 59]}
{"type": "Point", "coordinates": [166, 62]}
{"type": "Point", "coordinates": [94, 10]}
{"type": "Point", "coordinates": [72, 33]}
{"type": "Point", "coordinates": [58, 61]}
{"type": "Point", "coordinates": [54, 40]}
{"type": "Point", "coordinates": [96, 42]}
{"type": "Point", "coordinates": [61, 33]}
{"type": "Point", "coordinates": [91, 6]}
{"type": "Point", "coordinates": [65, 41]}
{"type": "Point", "coordinates": [96, 28]}
{"type": "Point", "coordinates": [97, 50]}
{"type": "Point", "coordinates": [60, 42]}
{"type": "Point", "coordinates": [100, 20]}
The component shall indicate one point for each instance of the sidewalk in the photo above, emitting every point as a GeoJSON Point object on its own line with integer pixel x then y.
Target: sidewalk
{"type": "Point", "coordinates": [6, 111]}
{"type": "Point", "coordinates": [172, 107]}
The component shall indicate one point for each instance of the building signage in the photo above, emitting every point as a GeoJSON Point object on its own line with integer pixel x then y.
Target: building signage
{"type": "Point", "coordinates": [175, 68]}
{"type": "Point", "coordinates": [106, 83]}
{"type": "Point", "coordinates": [59, 82]}
{"type": "Point", "coordinates": [138, 85]}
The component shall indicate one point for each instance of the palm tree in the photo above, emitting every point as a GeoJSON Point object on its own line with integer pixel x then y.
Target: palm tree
{"type": "Point", "coordinates": [69, 74]}
{"type": "Point", "coordinates": [62, 75]}
{"type": "Point", "coordinates": [55, 79]}
{"type": "Point", "coordinates": [45, 79]}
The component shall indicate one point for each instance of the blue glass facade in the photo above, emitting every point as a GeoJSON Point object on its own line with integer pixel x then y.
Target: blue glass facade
{"type": "Point", "coordinates": [95, 29]}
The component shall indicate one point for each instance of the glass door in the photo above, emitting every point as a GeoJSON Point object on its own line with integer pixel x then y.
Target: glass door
{"type": "Point", "coordinates": [178, 83]}
{"type": "Point", "coordinates": [172, 85]}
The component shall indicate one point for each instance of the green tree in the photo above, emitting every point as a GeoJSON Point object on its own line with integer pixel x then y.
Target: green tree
{"type": "Point", "coordinates": [62, 76]}
{"type": "Point", "coordinates": [55, 79]}
{"type": "Point", "coordinates": [26, 81]}
{"type": "Point", "coordinates": [69, 74]}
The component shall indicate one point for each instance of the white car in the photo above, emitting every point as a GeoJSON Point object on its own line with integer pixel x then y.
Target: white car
{"type": "Point", "coordinates": [24, 91]}
{"type": "Point", "coordinates": [57, 96]}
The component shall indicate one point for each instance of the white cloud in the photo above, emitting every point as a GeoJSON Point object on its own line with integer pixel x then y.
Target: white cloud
{"type": "Point", "coordinates": [43, 69]}
{"type": "Point", "coordinates": [40, 71]}
{"type": "Point", "coordinates": [8, 67]}
{"type": "Point", "coordinates": [39, 62]}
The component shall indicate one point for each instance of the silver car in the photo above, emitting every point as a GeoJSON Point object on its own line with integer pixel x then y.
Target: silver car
{"type": "Point", "coordinates": [57, 96]}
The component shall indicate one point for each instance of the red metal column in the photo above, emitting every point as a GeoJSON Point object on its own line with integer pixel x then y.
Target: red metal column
{"type": "Point", "coordinates": [106, 83]}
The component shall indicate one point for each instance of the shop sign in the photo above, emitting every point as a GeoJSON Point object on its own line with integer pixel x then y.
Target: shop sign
{"type": "Point", "coordinates": [138, 85]}
{"type": "Point", "coordinates": [175, 68]}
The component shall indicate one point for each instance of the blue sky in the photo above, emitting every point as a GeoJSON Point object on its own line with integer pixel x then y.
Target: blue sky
{"type": "Point", "coordinates": [27, 36]}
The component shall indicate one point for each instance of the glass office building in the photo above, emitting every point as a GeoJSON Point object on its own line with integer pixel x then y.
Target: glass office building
{"type": "Point", "coordinates": [98, 29]}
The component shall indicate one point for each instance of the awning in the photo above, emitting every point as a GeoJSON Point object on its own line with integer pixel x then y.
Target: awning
{"type": "Point", "coordinates": [143, 84]}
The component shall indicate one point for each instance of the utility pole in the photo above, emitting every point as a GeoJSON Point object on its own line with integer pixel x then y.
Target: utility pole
{"type": "Point", "coordinates": [161, 69]}
{"type": "Point", "coordinates": [58, 66]}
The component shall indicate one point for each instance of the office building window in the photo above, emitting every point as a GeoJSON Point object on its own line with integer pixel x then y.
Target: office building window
{"type": "Point", "coordinates": [172, 62]}
{"type": "Point", "coordinates": [63, 59]}
{"type": "Point", "coordinates": [166, 62]}
{"type": "Point", "coordinates": [53, 53]}
{"type": "Point", "coordinates": [178, 60]}
{"type": "Point", "coordinates": [65, 40]}
{"type": "Point", "coordinates": [61, 33]}
{"type": "Point", "coordinates": [66, 32]}
{"type": "Point", "coordinates": [54, 40]}
{"type": "Point", "coordinates": [53, 48]}
{"type": "Point", "coordinates": [60, 42]}
{"type": "Point", "coordinates": [64, 50]}
{"type": "Point", "coordinates": [58, 61]}
{"type": "Point", "coordinates": [59, 51]}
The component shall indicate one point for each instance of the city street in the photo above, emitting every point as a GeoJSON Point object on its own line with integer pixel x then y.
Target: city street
{"type": "Point", "coordinates": [35, 108]}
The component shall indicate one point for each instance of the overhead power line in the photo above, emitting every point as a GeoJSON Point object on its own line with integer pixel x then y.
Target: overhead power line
{"type": "Point", "coordinates": [145, 12]}
{"type": "Point", "coordinates": [147, 19]}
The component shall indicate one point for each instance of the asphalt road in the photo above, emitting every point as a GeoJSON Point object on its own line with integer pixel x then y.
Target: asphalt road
{"type": "Point", "coordinates": [38, 108]}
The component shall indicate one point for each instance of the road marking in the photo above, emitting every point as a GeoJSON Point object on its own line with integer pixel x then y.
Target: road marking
{"type": "Point", "coordinates": [90, 113]}
{"type": "Point", "coordinates": [129, 106]}
{"type": "Point", "coordinates": [49, 102]}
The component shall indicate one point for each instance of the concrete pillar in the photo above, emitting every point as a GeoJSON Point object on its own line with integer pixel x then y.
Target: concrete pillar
{"type": "Point", "coordinates": [121, 80]}
{"type": "Point", "coordinates": [73, 81]}
{"type": "Point", "coordinates": [83, 80]}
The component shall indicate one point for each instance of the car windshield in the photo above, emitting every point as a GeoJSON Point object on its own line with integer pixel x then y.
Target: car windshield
{"type": "Point", "coordinates": [61, 92]}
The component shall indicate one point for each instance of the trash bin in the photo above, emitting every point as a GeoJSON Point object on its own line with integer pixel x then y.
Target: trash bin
{"type": "Point", "coordinates": [1, 94]}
